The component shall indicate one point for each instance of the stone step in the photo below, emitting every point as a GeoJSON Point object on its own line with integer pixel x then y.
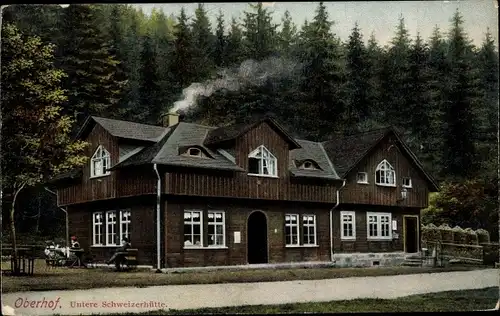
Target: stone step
{"type": "Point", "coordinates": [411, 264]}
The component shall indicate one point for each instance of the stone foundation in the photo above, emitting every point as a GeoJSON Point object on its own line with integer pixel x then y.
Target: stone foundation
{"type": "Point", "coordinates": [363, 260]}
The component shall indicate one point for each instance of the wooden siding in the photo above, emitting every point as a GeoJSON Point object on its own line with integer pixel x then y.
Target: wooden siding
{"type": "Point", "coordinates": [135, 181]}
{"type": "Point", "coordinates": [236, 217]}
{"type": "Point", "coordinates": [373, 194]}
{"type": "Point", "coordinates": [142, 227]}
{"type": "Point", "coordinates": [361, 243]}
{"type": "Point", "coordinates": [241, 185]}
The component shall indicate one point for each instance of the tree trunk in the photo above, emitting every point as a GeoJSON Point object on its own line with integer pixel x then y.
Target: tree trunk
{"type": "Point", "coordinates": [16, 268]}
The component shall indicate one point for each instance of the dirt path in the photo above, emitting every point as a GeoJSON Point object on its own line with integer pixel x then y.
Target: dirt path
{"type": "Point", "coordinates": [127, 300]}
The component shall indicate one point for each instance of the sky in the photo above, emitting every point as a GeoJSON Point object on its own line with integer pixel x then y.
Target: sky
{"type": "Point", "coordinates": [380, 17]}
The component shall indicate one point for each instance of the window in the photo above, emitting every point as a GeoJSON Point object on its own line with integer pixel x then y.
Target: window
{"type": "Point", "coordinates": [348, 225]}
{"type": "Point", "coordinates": [125, 224]}
{"type": "Point", "coordinates": [406, 182]}
{"type": "Point", "coordinates": [97, 224]}
{"type": "Point", "coordinates": [110, 228]}
{"type": "Point", "coordinates": [291, 229]}
{"type": "Point", "coordinates": [194, 152]}
{"type": "Point", "coordinates": [216, 229]}
{"type": "Point", "coordinates": [309, 165]}
{"type": "Point", "coordinates": [362, 177]}
{"type": "Point", "coordinates": [379, 225]}
{"type": "Point", "coordinates": [105, 233]}
{"type": "Point", "coordinates": [384, 174]}
{"type": "Point", "coordinates": [193, 229]}
{"type": "Point", "coordinates": [100, 163]}
{"type": "Point", "coordinates": [261, 162]}
{"type": "Point", "coordinates": [309, 229]}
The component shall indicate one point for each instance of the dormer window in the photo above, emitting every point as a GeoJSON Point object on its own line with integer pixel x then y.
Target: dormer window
{"type": "Point", "coordinates": [196, 152]}
{"type": "Point", "coordinates": [385, 174]}
{"type": "Point", "coordinates": [262, 163]}
{"type": "Point", "coordinates": [309, 165]}
{"type": "Point", "coordinates": [100, 162]}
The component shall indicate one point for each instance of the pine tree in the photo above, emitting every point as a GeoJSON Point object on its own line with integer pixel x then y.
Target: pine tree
{"type": "Point", "coordinates": [287, 36]}
{"type": "Point", "coordinates": [259, 33]}
{"type": "Point", "coordinates": [91, 84]}
{"type": "Point", "coordinates": [148, 88]}
{"type": "Point", "coordinates": [235, 49]}
{"type": "Point", "coordinates": [220, 43]}
{"type": "Point", "coordinates": [203, 44]}
{"type": "Point", "coordinates": [374, 63]}
{"type": "Point", "coordinates": [357, 87]}
{"type": "Point", "coordinates": [461, 96]}
{"type": "Point", "coordinates": [183, 68]}
{"type": "Point", "coordinates": [396, 79]}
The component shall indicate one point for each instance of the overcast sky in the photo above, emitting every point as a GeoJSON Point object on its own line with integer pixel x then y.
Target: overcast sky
{"type": "Point", "coordinates": [380, 17]}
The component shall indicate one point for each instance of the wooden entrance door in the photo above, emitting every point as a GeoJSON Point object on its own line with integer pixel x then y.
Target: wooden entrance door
{"type": "Point", "coordinates": [411, 234]}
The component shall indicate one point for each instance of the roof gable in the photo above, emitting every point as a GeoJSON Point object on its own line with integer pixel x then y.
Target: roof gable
{"type": "Point", "coordinates": [231, 132]}
{"type": "Point", "coordinates": [346, 152]}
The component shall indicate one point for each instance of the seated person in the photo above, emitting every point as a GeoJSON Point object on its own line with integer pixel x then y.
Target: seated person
{"type": "Point", "coordinates": [74, 243]}
{"type": "Point", "coordinates": [125, 245]}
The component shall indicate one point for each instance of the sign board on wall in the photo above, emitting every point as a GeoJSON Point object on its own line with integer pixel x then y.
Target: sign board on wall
{"type": "Point", "coordinates": [394, 225]}
{"type": "Point", "coordinates": [237, 237]}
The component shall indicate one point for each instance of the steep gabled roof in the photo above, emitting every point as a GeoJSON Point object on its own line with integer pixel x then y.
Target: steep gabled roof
{"type": "Point", "coordinates": [346, 152]}
{"type": "Point", "coordinates": [226, 133]}
{"type": "Point", "coordinates": [312, 151]}
{"type": "Point", "coordinates": [124, 129]}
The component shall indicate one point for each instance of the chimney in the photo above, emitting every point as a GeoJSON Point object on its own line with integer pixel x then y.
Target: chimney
{"type": "Point", "coordinates": [169, 119]}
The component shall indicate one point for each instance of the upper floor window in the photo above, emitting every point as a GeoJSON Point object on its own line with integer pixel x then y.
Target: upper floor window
{"type": "Point", "coordinates": [308, 165]}
{"type": "Point", "coordinates": [261, 162]}
{"type": "Point", "coordinates": [385, 174]}
{"type": "Point", "coordinates": [194, 152]}
{"type": "Point", "coordinates": [362, 177]}
{"type": "Point", "coordinates": [100, 162]}
{"type": "Point", "coordinates": [407, 183]}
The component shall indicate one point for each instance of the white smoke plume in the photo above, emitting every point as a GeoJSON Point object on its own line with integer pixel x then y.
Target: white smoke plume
{"type": "Point", "coordinates": [249, 73]}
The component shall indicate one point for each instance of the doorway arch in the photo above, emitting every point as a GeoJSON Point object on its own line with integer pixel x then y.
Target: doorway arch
{"type": "Point", "coordinates": [257, 238]}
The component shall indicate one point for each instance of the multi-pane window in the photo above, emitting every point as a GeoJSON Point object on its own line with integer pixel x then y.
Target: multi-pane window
{"type": "Point", "coordinates": [385, 174]}
{"type": "Point", "coordinates": [348, 225]}
{"type": "Point", "coordinates": [216, 228]}
{"type": "Point", "coordinates": [406, 182]}
{"type": "Point", "coordinates": [110, 228]}
{"type": "Point", "coordinates": [125, 224]}
{"type": "Point", "coordinates": [100, 162]}
{"type": "Point", "coordinates": [262, 162]}
{"type": "Point", "coordinates": [309, 229]}
{"type": "Point", "coordinates": [379, 225]}
{"type": "Point", "coordinates": [193, 229]}
{"type": "Point", "coordinates": [292, 229]}
{"type": "Point", "coordinates": [97, 228]}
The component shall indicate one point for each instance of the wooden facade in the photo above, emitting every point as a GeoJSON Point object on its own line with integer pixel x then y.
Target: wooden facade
{"type": "Point", "coordinates": [236, 214]}
{"type": "Point", "coordinates": [373, 194]}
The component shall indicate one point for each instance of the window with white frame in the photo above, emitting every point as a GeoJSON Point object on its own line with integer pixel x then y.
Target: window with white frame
{"type": "Point", "coordinates": [100, 162]}
{"type": "Point", "coordinates": [262, 162]}
{"type": "Point", "coordinates": [385, 174]}
{"type": "Point", "coordinates": [309, 229]}
{"type": "Point", "coordinates": [362, 177]}
{"type": "Point", "coordinates": [348, 225]}
{"type": "Point", "coordinates": [97, 223]}
{"type": "Point", "coordinates": [110, 227]}
{"type": "Point", "coordinates": [379, 225]}
{"type": "Point", "coordinates": [216, 228]}
{"type": "Point", "coordinates": [193, 229]}
{"type": "Point", "coordinates": [125, 224]}
{"type": "Point", "coordinates": [292, 229]}
{"type": "Point", "coordinates": [406, 182]}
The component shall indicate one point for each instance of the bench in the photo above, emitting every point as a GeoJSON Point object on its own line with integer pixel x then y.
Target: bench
{"type": "Point", "coordinates": [128, 259]}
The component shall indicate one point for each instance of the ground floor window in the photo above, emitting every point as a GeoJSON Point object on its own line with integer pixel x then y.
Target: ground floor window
{"type": "Point", "coordinates": [379, 225]}
{"type": "Point", "coordinates": [296, 226]}
{"type": "Point", "coordinates": [109, 227]}
{"type": "Point", "coordinates": [347, 225]}
{"type": "Point", "coordinates": [196, 230]}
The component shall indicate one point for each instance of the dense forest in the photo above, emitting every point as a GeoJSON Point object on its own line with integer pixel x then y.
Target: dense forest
{"type": "Point", "coordinates": [441, 93]}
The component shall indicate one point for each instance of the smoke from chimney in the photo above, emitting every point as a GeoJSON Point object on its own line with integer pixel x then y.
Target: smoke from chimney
{"type": "Point", "coordinates": [249, 73]}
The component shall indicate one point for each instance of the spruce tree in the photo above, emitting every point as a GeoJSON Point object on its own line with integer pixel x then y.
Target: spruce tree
{"type": "Point", "coordinates": [235, 50]}
{"type": "Point", "coordinates": [287, 36]}
{"type": "Point", "coordinates": [220, 43]}
{"type": "Point", "coordinates": [183, 68]}
{"type": "Point", "coordinates": [259, 33]}
{"type": "Point", "coordinates": [203, 44]}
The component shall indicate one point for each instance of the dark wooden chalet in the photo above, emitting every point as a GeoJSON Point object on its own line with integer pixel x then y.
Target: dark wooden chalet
{"type": "Point", "coordinates": [193, 195]}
